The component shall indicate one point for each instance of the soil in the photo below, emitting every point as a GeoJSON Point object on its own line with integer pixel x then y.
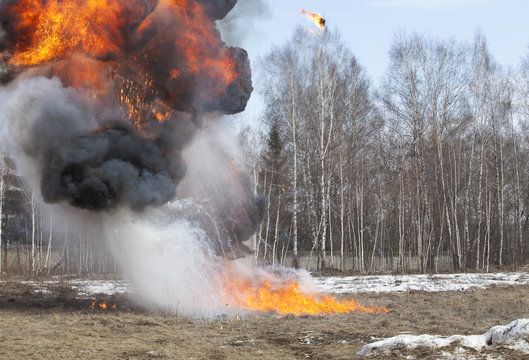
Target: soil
{"type": "Point", "coordinates": [57, 325]}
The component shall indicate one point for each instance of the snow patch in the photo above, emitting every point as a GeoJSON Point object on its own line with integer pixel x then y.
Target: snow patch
{"type": "Point", "coordinates": [42, 291]}
{"type": "Point", "coordinates": [422, 282]}
{"type": "Point", "coordinates": [83, 287]}
{"type": "Point", "coordinates": [514, 336]}
{"type": "Point", "coordinates": [91, 287]}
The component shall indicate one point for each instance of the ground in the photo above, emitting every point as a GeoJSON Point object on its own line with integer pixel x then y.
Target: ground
{"type": "Point", "coordinates": [57, 324]}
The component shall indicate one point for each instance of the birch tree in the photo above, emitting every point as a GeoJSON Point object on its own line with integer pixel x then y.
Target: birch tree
{"type": "Point", "coordinates": [3, 188]}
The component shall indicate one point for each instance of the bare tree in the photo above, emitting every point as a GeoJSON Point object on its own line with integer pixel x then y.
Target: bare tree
{"type": "Point", "coordinates": [3, 187]}
{"type": "Point", "coordinates": [318, 95]}
{"type": "Point", "coordinates": [429, 177]}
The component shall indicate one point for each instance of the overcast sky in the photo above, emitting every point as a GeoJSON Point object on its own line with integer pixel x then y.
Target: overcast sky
{"type": "Point", "coordinates": [368, 26]}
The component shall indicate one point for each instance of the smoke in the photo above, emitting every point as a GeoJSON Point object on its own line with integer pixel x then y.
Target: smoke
{"type": "Point", "coordinates": [3, 36]}
{"type": "Point", "coordinates": [174, 268]}
{"type": "Point", "coordinates": [217, 9]}
{"type": "Point", "coordinates": [219, 182]}
{"type": "Point", "coordinates": [238, 25]}
{"type": "Point", "coordinates": [169, 259]}
{"type": "Point", "coordinates": [90, 166]}
{"type": "Point", "coordinates": [112, 116]}
{"type": "Point", "coordinates": [110, 130]}
{"type": "Point", "coordinates": [178, 254]}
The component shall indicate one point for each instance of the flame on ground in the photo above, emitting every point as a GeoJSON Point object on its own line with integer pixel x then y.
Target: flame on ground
{"type": "Point", "coordinates": [287, 297]}
{"type": "Point", "coordinates": [102, 305]}
{"type": "Point", "coordinates": [315, 18]}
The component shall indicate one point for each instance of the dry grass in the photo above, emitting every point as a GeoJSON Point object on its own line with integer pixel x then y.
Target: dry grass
{"type": "Point", "coordinates": [37, 326]}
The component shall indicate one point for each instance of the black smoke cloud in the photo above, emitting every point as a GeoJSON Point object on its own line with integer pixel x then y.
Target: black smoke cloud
{"type": "Point", "coordinates": [84, 158]}
{"type": "Point", "coordinates": [217, 9]}
{"type": "Point", "coordinates": [111, 166]}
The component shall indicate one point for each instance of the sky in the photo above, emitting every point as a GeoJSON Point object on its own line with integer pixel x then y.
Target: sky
{"type": "Point", "coordinates": [368, 27]}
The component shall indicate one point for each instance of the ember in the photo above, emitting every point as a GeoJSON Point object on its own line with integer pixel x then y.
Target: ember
{"type": "Point", "coordinates": [103, 305]}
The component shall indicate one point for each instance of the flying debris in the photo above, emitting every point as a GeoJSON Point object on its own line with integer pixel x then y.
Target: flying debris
{"type": "Point", "coordinates": [315, 18]}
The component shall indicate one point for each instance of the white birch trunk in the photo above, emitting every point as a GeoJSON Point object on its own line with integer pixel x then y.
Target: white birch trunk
{"type": "Point", "coordinates": [500, 175]}
{"type": "Point", "coordinates": [2, 195]}
{"type": "Point", "coordinates": [33, 231]}
{"type": "Point", "coordinates": [342, 218]}
{"type": "Point", "coordinates": [276, 232]}
{"type": "Point", "coordinates": [479, 206]}
{"type": "Point", "coordinates": [48, 251]}
{"type": "Point", "coordinates": [295, 185]}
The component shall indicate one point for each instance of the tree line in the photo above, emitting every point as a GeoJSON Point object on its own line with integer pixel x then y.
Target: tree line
{"type": "Point", "coordinates": [32, 243]}
{"type": "Point", "coordinates": [426, 172]}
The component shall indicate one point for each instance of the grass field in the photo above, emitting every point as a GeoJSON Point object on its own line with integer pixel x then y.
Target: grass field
{"type": "Point", "coordinates": [57, 324]}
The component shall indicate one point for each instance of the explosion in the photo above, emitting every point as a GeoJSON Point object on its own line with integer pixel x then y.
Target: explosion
{"type": "Point", "coordinates": [141, 64]}
{"type": "Point", "coordinates": [167, 50]}
{"type": "Point", "coordinates": [109, 107]}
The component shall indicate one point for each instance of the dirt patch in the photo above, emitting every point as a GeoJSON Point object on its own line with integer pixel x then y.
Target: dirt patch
{"type": "Point", "coordinates": [58, 325]}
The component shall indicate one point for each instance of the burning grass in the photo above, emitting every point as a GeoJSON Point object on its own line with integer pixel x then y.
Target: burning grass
{"type": "Point", "coordinates": [287, 297]}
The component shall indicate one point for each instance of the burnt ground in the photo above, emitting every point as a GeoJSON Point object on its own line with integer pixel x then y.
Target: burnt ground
{"type": "Point", "coordinates": [56, 325]}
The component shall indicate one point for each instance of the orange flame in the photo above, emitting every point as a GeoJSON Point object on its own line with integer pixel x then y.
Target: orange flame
{"type": "Point", "coordinates": [62, 27]}
{"type": "Point", "coordinates": [315, 18]}
{"type": "Point", "coordinates": [287, 297]}
{"type": "Point", "coordinates": [102, 305]}
{"type": "Point", "coordinates": [83, 43]}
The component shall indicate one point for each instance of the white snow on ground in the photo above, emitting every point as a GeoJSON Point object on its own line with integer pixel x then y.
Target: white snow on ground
{"type": "Point", "coordinates": [90, 287]}
{"type": "Point", "coordinates": [83, 287]}
{"type": "Point", "coordinates": [514, 336]}
{"type": "Point", "coordinates": [433, 283]}
{"type": "Point", "coordinates": [332, 284]}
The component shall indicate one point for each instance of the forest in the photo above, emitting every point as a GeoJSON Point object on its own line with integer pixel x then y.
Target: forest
{"type": "Point", "coordinates": [424, 172]}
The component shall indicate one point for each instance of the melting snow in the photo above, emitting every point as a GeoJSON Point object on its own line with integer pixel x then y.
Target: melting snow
{"type": "Point", "coordinates": [109, 287]}
{"type": "Point", "coordinates": [514, 336]}
{"type": "Point", "coordinates": [332, 284]}
{"type": "Point", "coordinates": [83, 287]}
{"type": "Point", "coordinates": [400, 283]}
